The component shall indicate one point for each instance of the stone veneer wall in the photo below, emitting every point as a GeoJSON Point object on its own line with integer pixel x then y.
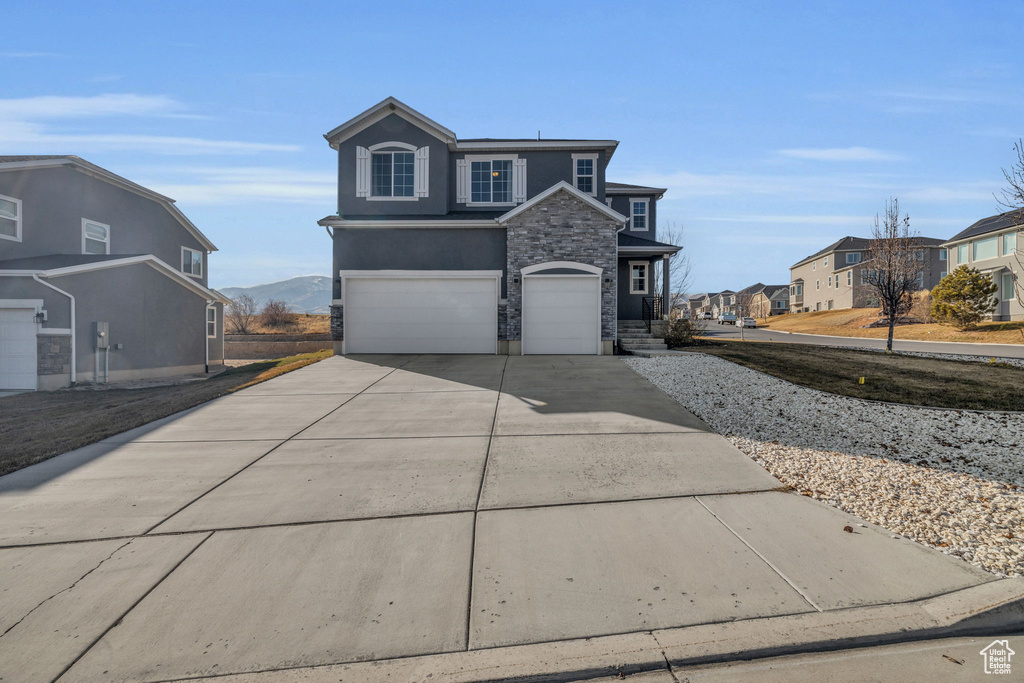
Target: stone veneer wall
{"type": "Point", "coordinates": [337, 323]}
{"type": "Point", "coordinates": [562, 228]}
{"type": "Point", "coordinates": [53, 353]}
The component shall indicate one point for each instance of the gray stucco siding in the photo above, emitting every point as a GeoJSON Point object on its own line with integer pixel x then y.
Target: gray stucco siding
{"type": "Point", "coordinates": [57, 306]}
{"type": "Point", "coordinates": [55, 200]}
{"type": "Point", "coordinates": [631, 305]}
{"type": "Point", "coordinates": [419, 249]}
{"type": "Point", "coordinates": [161, 323]}
{"type": "Point", "coordinates": [393, 128]}
{"type": "Point", "coordinates": [621, 203]}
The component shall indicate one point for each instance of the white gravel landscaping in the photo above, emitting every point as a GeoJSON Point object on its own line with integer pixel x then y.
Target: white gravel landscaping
{"type": "Point", "coordinates": [953, 479]}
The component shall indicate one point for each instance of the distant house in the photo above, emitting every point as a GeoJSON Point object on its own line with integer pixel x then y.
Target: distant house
{"type": "Point", "coordinates": [769, 300]}
{"type": "Point", "coordinates": [723, 302]}
{"type": "Point", "coordinates": [835, 277]}
{"type": "Point", "coordinates": [100, 279]}
{"type": "Point", "coordinates": [993, 245]}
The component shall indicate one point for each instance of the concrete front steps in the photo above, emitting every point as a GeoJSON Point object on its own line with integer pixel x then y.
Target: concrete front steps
{"type": "Point", "coordinates": [633, 336]}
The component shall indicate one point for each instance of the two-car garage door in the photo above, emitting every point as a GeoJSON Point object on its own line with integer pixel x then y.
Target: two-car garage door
{"type": "Point", "coordinates": [17, 348]}
{"type": "Point", "coordinates": [430, 313]}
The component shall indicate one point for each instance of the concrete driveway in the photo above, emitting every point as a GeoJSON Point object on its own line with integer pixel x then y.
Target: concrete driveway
{"type": "Point", "coordinates": [386, 507]}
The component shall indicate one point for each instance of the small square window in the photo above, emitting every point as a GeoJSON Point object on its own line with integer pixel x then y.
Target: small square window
{"type": "Point", "coordinates": [95, 237]}
{"type": "Point", "coordinates": [192, 261]}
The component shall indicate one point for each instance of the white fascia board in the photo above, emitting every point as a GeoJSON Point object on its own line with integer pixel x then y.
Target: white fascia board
{"type": "Point", "coordinates": [381, 110]}
{"type": "Point", "coordinates": [147, 259]}
{"type": "Point", "coordinates": [562, 185]}
{"type": "Point", "coordinates": [442, 274]}
{"type": "Point", "coordinates": [344, 223]}
{"type": "Point", "coordinates": [103, 174]}
{"type": "Point", "coordinates": [649, 250]}
{"type": "Point", "coordinates": [608, 146]}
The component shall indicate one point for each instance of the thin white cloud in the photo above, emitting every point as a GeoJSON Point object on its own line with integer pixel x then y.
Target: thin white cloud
{"type": "Point", "coordinates": [221, 186]}
{"type": "Point", "coordinates": [840, 154]}
{"type": "Point", "coordinates": [27, 55]}
{"type": "Point", "coordinates": [61, 107]}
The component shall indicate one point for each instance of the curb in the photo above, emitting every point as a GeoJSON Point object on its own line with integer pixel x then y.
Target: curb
{"type": "Point", "coordinates": [992, 608]}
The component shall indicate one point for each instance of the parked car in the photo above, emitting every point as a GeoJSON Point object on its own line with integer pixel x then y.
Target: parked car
{"type": "Point", "coordinates": [705, 315]}
{"type": "Point", "coordinates": [727, 319]}
{"type": "Point", "coordinates": [746, 322]}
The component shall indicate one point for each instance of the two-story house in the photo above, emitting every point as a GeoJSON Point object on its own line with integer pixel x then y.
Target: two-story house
{"type": "Point", "coordinates": [486, 245]}
{"type": "Point", "coordinates": [835, 277]}
{"type": "Point", "coordinates": [101, 279]}
{"type": "Point", "coordinates": [994, 246]}
{"type": "Point", "coordinates": [769, 300]}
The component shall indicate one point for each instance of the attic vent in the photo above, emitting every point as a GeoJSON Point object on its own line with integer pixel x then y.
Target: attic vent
{"type": "Point", "coordinates": [392, 107]}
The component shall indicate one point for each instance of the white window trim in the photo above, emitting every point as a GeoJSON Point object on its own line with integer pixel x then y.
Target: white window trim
{"type": "Point", "coordinates": [208, 321]}
{"type": "Point", "coordinates": [182, 262]}
{"type": "Point", "coordinates": [385, 148]}
{"type": "Point", "coordinates": [468, 171]}
{"type": "Point", "coordinates": [853, 257]}
{"type": "Point", "coordinates": [17, 220]}
{"type": "Point", "coordinates": [1002, 243]}
{"type": "Point", "coordinates": [943, 254]}
{"type": "Point", "coordinates": [575, 178]}
{"type": "Point", "coordinates": [824, 262]}
{"type": "Point", "coordinates": [647, 276]}
{"type": "Point", "coordinates": [647, 213]}
{"type": "Point", "coordinates": [89, 220]}
{"type": "Point", "coordinates": [974, 249]}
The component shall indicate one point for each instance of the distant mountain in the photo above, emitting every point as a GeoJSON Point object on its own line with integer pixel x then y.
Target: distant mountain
{"type": "Point", "coordinates": [305, 294]}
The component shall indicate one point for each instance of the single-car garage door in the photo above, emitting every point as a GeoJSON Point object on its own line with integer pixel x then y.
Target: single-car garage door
{"type": "Point", "coordinates": [17, 348]}
{"type": "Point", "coordinates": [561, 314]}
{"type": "Point", "coordinates": [443, 312]}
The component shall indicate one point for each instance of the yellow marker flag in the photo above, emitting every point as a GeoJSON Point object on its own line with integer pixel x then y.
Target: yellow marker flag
{"type": "Point", "coordinates": [861, 380]}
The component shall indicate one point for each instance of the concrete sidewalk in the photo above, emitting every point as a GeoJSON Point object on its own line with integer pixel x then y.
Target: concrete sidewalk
{"type": "Point", "coordinates": [367, 509]}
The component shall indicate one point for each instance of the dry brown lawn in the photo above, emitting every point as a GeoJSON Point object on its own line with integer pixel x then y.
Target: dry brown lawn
{"type": "Point", "coordinates": [302, 323]}
{"type": "Point", "coordinates": [39, 425]}
{"type": "Point", "coordinates": [850, 323]}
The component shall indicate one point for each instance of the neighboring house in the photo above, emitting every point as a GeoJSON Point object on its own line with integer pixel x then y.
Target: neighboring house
{"type": "Point", "coordinates": [100, 279]}
{"type": "Point", "coordinates": [769, 300]}
{"type": "Point", "coordinates": [707, 303]}
{"type": "Point", "coordinates": [723, 302]}
{"type": "Point", "coordinates": [994, 246]}
{"type": "Point", "coordinates": [448, 245]}
{"type": "Point", "coordinates": [695, 305]}
{"type": "Point", "coordinates": [834, 278]}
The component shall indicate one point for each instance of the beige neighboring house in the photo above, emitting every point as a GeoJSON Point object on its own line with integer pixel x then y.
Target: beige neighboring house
{"type": "Point", "coordinates": [994, 246]}
{"type": "Point", "coordinates": [835, 277]}
{"type": "Point", "coordinates": [770, 300]}
{"type": "Point", "coordinates": [723, 302]}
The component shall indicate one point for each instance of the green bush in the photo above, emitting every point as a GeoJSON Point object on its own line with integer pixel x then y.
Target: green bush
{"type": "Point", "coordinates": [964, 297]}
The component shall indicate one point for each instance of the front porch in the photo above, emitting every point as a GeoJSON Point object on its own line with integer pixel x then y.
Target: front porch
{"type": "Point", "coordinates": [644, 274]}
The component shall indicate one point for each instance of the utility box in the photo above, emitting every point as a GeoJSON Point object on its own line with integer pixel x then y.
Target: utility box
{"type": "Point", "coordinates": [101, 335]}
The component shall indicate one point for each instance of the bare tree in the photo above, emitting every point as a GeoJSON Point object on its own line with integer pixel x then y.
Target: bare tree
{"type": "Point", "coordinates": [1013, 201]}
{"type": "Point", "coordinates": [241, 314]}
{"type": "Point", "coordinates": [895, 264]}
{"type": "Point", "coordinates": [276, 313]}
{"type": "Point", "coordinates": [680, 269]}
{"type": "Point", "coordinates": [745, 305]}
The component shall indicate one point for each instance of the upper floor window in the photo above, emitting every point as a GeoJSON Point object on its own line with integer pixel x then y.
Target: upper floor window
{"type": "Point", "coordinates": [814, 265]}
{"type": "Point", "coordinates": [849, 277]}
{"type": "Point", "coordinates": [95, 237]}
{"type": "Point", "coordinates": [824, 262]}
{"type": "Point", "coordinates": [853, 257]}
{"type": "Point", "coordinates": [943, 254]}
{"type": "Point", "coordinates": [192, 261]}
{"type": "Point", "coordinates": [961, 254]}
{"type": "Point", "coordinates": [584, 173]}
{"type": "Point", "coordinates": [392, 171]}
{"type": "Point", "coordinates": [392, 174]}
{"type": "Point", "coordinates": [1009, 243]}
{"type": "Point", "coordinates": [638, 213]}
{"type": "Point", "coordinates": [10, 218]}
{"type": "Point", "coordinates": [984, 249]}
{"type": "Point", "coordinates": [491, 181]}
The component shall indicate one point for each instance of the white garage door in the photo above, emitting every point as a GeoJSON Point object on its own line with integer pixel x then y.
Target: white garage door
{"type": "Point", "coordinates": [562, 314]}
{"type": "Point", "coordinates": [17, 348]}
{"type": "Point", "coordinates": [421, 314]}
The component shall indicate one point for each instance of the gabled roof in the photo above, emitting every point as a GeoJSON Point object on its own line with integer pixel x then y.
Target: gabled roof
{"type": "Point", "coordinates": [771, 290]}
{"type": "Point", "coordinates": [384, 108]}
{"type": "Point", "coordinates": [859, 244]}
{"type": "Point", "coordinates": [57, 265]}
{"type": "Point", "coordinates": [14, 163]}
{"type": "Point", "coordinates": [563, 186]}
{"type": "Point", "coordinates": [1000, 221]}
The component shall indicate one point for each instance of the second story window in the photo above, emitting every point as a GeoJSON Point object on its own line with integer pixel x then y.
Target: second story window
{"type": "Point", "coordinates": [491, 181]}
{"type": "Point", "coordinates": [584, 173]}
{"type": "Point", "coordinates": [10, 218]}
{"type": "Point", "coordinates": [961, 254]}
{"type": "Point", "coordinates": [853, 257]}
{"type": "Point", "coordinates": [392, 174]}
{"type": "Point", "coordinates": [192, 262]}
{"type": "Point", "coordinates": [638, 214]}
{"type": "Point", "coordinates": [95, 237]}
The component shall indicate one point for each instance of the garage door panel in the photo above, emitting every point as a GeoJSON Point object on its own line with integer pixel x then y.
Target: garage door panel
{"type": "Point", "coordinates": [561, 315]}
{"type": "Point", "coordinates": [17, 348]}
{"type": "Point", "coordinates": [421, 315]}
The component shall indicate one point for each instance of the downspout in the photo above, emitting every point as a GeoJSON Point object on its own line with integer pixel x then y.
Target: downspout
{"type": "Point", "coordinates": [74, 347]}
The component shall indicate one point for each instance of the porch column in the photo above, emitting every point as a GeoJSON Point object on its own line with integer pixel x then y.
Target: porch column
{"type": "Point", "coordinates": [666, 304]}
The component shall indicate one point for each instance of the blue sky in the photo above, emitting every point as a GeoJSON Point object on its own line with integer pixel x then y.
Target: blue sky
{"type": "Point", "coordinates": [777, 127]}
